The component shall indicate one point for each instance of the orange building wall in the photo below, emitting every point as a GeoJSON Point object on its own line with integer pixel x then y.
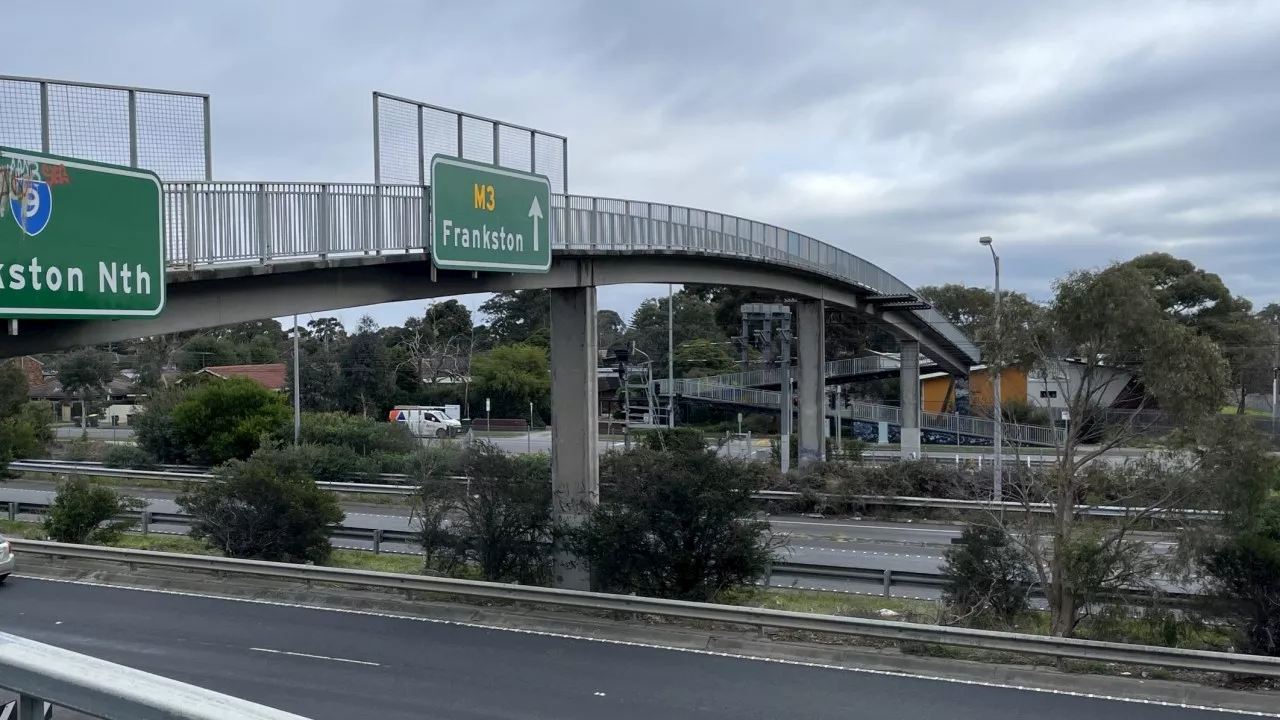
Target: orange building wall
{"type": "Point", "coordinates": [1013, 384]}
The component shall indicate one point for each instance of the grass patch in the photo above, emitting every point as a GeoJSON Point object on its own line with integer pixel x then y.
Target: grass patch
{"type": "Point", "coordinates": [165, 543]}
{"type": "Point", "coordinates": [357, 560]}
{"type": "Point", "coordinates": [831, 603]}
{"type": "Point", "coordinates": [19, 528]}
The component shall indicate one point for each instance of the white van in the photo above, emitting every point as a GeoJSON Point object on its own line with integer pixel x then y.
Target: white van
{"type": "Point", "coordinates": [437, 421]}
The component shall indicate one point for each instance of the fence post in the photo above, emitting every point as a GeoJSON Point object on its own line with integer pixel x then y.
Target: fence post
{"type": "Point", "coordinates": [146, 522]}
{"type": "Point", "coordinates": [13, 511]}
{"type": "Point", "coordinates": [377, 541]}
{"type": "Point", "coordinates": [888, 581]}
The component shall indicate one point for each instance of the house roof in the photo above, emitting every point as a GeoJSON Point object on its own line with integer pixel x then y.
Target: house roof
{"type": "Point", "coordinates": [270, 376]}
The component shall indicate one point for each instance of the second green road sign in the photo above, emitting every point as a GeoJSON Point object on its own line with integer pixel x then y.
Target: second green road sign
{"type": "Point", "coordinates": [488, 218]}
{"type": "Point", "coordinates": [79, 239]}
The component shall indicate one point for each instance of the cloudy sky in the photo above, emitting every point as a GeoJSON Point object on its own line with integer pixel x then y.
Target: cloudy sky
{"type": "Point", "coordinates": [1074, 132]}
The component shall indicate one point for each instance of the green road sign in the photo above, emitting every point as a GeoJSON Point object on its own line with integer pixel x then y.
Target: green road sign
{"type": "Point", "coordinates": [489, 218]}
{"type": "Point", "coordinates": [79, 239]}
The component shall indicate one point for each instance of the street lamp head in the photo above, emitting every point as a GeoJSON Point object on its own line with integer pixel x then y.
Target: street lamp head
{"type": "Point", "coordinates": [984, 240]}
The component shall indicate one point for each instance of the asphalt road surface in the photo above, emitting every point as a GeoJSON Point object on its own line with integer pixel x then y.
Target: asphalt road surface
{"type": "Point", "coordinates": [335, 666]}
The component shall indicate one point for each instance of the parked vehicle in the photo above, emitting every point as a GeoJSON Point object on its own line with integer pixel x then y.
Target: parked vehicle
{"type": "Point", "coordinates": [435, 421]}
{"type": "Point", "coordinates": [7, 562]}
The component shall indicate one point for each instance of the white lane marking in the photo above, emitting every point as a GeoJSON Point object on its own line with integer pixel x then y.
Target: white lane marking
{"type": "Point", "coordinates": [315, 657]}
{"type": "Point", "coordinates": [863, 527]}
{"type": "Point", "coordinates": [692, 651]}
{"type": "Point", "coordinates": [865, 552]}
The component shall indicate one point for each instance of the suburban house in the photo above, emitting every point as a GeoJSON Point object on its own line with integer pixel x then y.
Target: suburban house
{"type": "Point", "coordinates": [271, 376]}
{"type": "Point", "coordinates": [1048, 388]}
{"type": "Point", "coordinates": [120, 391]}
{"type": "Point", "coordinates": [33, 369]}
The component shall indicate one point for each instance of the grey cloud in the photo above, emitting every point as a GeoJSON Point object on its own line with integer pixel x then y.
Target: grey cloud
{"type": "Point", "coordinates": [712, 103]}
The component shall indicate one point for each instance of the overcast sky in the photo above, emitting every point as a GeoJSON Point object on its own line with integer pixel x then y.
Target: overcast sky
{"type": "Point", "coordinates": [1075, 132]}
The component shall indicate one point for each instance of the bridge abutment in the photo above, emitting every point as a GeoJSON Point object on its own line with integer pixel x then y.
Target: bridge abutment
{"type": "Point", "coordinates": [575, 462]}
{"type": "Point", "coordinates": [909, 390]}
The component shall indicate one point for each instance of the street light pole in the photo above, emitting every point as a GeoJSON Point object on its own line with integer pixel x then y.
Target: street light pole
{"type": "Point", "coordinates": [297, 386]}
{"type": "Point", "coordinates": [994, 371]}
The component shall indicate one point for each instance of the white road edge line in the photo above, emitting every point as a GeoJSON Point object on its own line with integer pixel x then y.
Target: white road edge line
{"type": "Point", "coordinates": [315, 657]}
{"type": "Point", "coordinates": [694, 651]}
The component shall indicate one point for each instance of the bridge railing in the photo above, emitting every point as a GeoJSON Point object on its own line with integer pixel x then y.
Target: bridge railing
{"type": "Point", "coordinates": [215, 223]}
{"type": "Point", "coordinates": [707, 389]}
{"type": "Point", "coordinates": [845, 367]}
{"type": "Point", "coordinates": [43, 675]}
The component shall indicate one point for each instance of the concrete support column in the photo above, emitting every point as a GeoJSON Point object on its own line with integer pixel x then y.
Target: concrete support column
{"type": "Point", "coordinates": [575, 429]}
{"type": "Point", "coordinates": [910, 392]}
{"type": "Point", "coordinates": [811, 365]}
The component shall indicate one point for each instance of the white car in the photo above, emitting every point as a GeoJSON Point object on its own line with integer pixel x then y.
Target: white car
{"type": "Point", "coordinates": [7, 561]}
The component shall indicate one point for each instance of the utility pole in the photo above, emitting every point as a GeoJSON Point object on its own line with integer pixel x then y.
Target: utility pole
{"type": "Point", "coordinates": [994, 371]}
{"type": "Point", "coordinates": [1275, 378]}
{"type": "Point", "coordinates": [671, 360]}
{"type": "Point", "coordinates": [297, 386]}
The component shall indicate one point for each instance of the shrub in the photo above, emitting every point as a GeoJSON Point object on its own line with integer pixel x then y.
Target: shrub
{"type": "Point", "coordinates": [987, 577]}
{"type": "Point", "coordinates": [498, 521]}
{"type": "Point", "coordinates": [677, 440]}
{"type": "Point", "coordinates": [153, 428]}
{"type": "Point", "coordinates": [265, 508]}
{"type": "Point", "coordinates": [1244, 569]}
{"type": "Point", "coordinates": [363, 436]}
{"type": "Point", "coordinates": [82, 512]}
{"type": "Point", "coordinates": [226, 420]}
{"type": "Point", "coordinates": [128, 456]}
{"type": "Point", "coordinates": [681, 525]}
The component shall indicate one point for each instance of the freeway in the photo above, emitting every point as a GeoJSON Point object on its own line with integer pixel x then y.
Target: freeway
{"type": "Point", "coordinates": [911, 547]}
{"type": "Point", "coordinates": [334, 665]}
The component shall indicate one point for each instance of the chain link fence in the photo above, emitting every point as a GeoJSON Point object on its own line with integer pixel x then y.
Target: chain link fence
{"type": "Point", "coordinates": [407, 133]}
{"type": "Point", "coordinates": [160, 130]}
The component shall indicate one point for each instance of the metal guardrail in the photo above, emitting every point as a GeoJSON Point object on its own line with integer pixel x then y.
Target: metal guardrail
{"type": "Point", "coordinates": [148, 518]}
{"type": "Point", "coordinates": [41, 674]}
{"type": "Point", "coordinates": [208, 224]}
{"type": "Point", "coordinates": [1198, 660]}
{"type": "Point", "coordinates": [979, 505]}
{"type": "Point", "coordinates": [707, 390]}
{"type": "Point", "coordinates": [393, 484]}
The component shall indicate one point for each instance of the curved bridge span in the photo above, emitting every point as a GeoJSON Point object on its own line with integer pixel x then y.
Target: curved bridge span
{"type": "Point", "coordinates": [243, 251]}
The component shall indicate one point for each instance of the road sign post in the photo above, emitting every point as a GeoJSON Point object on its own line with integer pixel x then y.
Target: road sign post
{"type": "Point", "coordinates": [489, 219]}
{"type": "Point", "coordinates": [79, 239]}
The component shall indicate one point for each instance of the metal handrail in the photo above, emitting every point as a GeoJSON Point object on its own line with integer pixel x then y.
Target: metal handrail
{"type": "Point", "coordinates": [214, 223]}
{"type": "Point", "coordinates": [845, 367]}
{"type": "Point", "coordinates": [708, 390]}
{"type": "Point", "coordinates": [41, 673]}
{"type": "Point", "coordinates": [1198, 660]}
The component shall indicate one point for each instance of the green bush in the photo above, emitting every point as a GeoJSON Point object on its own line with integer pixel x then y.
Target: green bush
{"type": "Point", "coordinates": [265, 508]}
{"type": "Point", "coordinates": [363, 436]}
{"type": "Point", "coordinates": [988, 578]}
{"type": "Point", "coordinates": [153, 428]}
{"type": "Point", "coordinates": [681, 525]}
{"type": "Point", "coordinates": [499, 521]}
{"type": "Point", "coordinates": [220, 421]}
{"type": "Point", "coordinates": [678, 440]}
{"type": "Point", "coordinates": [82, 512]}
{"type": "Point", "coordinates": [128, 456]}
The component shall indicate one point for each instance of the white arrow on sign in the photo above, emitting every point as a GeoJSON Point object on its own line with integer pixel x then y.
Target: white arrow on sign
{"type": "Point", "coordinates": [535, 212]}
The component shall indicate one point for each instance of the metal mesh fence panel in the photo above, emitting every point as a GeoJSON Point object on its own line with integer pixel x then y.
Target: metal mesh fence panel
{"type": "Point", "coordinates": [408, 133]}
{"type": "Point", "coordinates": [160, 130]}
{"type": "Point", "coordinates": [19, 114]}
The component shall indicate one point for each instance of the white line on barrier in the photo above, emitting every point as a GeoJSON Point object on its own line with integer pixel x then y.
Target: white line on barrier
{"type": "Point", "coordinates": [694, 651]}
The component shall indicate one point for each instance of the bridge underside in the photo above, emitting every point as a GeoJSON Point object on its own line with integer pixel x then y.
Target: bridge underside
{"type": "Point", "coordinates": [214, 296]}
